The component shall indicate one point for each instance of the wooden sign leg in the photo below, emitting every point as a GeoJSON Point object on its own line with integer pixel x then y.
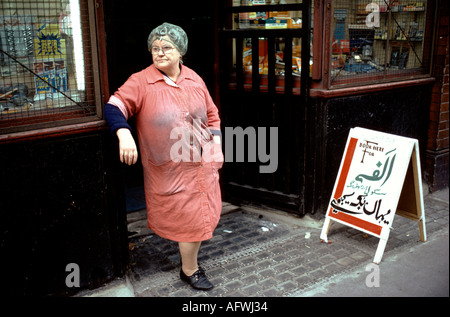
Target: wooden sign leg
{"type": "Point", "coordinates": [422, 229]}
{"type": "Point", "coordinates": [411, 203]}
{"type": "Point", "coordinates": [381, 246]}
{"type": "Point", "coordinates": [418, 191]}
{"type": "Point", "coordinates": [380, 251]}
{"type": "Point", "coordinates": [325, 228]}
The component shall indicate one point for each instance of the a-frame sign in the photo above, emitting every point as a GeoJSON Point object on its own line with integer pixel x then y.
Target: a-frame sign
{"type": "Point", "coordinates": [379, 176]}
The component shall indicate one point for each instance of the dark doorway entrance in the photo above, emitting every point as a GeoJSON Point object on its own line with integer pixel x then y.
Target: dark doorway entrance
{"type": "Point", "coordinates": [263, 85]}
{"type": "Point", "coordinates": [127, 28]}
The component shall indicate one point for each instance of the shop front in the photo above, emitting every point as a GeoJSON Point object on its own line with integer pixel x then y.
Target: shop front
{"type": "Point", "coordinates": [62, 229]}
{"type": "Point", "coordinates": [290, 79]}
{"type": "Point", "coordinates": [308, 69]}
{"type": "Point", "coordinates": [315, 69]}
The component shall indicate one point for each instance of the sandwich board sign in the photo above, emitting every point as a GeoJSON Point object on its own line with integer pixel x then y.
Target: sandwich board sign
{"type": "Point", "coordinates": [379, 176]}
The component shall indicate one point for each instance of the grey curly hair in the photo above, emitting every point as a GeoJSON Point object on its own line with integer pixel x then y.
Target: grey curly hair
{"type": "Point", "coordinates": [176, 34]}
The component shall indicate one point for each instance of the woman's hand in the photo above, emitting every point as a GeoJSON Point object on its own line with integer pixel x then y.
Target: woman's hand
{"type": "Point", "coordinates": [127, 147]}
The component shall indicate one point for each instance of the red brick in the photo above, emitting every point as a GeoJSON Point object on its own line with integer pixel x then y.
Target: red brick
{"type": "Point", "coordinates": [443, 125]}
{"type": "Point", "coordinates": [443, 134]}
{"type": "Point", "coordinates": [444, 106]}
{"type": "Point", "coordinates": [444, 97]}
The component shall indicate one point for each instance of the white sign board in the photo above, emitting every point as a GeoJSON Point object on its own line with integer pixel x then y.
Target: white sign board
{"type": "Point", "coordinates": [379, 176]}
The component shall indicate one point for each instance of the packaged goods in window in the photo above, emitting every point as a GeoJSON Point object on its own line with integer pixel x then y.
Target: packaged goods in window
{"type": "Point", "coordinates": [257, 23]}
{"type": "Point", "coordinates": [399, 57]}
{"type": "Point", "coordinates": [54, 77]}
{"type": "Point", "coordinates": [273, 23]}
{"type": "Point", "coordinates": [419, 35]}
{"type": "Point", "coordinates": [49, 42]}
{"type": "Point", "coordinates": [389, 43]}
{"type": "Point", "coordinates": [338, 61]}
{"type": "Point", "coordinates": [16, 36]}
{"type": "Point", "coordinates": [14, 98]}
{"type": "Point", "coordinates": [60, 76]}
{"type": "Point", "coordinates": [295, 23]}
{"type": "Point", "coordinates": [257, 19]}
{"type": "Point", "coordinates": [248, 57]}
{"type": "Point", "coordinates": [340, 46]}
{"type": "Point", "coordinates": [45, 70]}
{"type": "Point", "coordinates": [279, 14]}
{"type": "Point", "coordinates": [413, 29]}
{"type": "Point", "coordinates": [400, 33]}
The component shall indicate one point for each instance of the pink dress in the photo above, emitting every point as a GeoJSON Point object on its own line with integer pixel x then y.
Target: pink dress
{"type": "Point", "coordinates": [174, 123]}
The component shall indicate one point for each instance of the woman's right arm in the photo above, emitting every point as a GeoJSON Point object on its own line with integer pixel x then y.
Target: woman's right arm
{"type": "Point", "coordinates": [127, 146]}
{"type": "Point", "coordinates": [118, 124]}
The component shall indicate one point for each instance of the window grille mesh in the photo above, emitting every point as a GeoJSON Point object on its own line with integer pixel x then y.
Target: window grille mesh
{"type": "Point", "coordinates": [46, 67]}
{"type": "Point", "coordinates": [378, 40]}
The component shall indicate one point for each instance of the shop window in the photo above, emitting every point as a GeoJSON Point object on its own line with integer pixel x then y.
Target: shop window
{"type": "Point", "coordinates": [379, 40]}
{"type": "Point", "coordinates": [267, 19]}
{"type": "Point", "coordinates": [48, 64]}
{"type": "Point", "coordinates": [266, 44]}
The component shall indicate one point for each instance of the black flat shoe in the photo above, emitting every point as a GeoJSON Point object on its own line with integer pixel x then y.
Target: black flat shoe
{"type": "Point", "coordinates": [198, 280]}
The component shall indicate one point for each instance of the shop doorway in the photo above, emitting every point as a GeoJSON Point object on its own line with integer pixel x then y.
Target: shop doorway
{"type": "Point", "coordinates": [264, 60]}
{"type": "Point", "coordinates": [277, 97]}
{"type": "Point", "coordinates": [127, 28]}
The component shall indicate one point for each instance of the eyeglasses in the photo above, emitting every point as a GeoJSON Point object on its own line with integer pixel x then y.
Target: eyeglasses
{"type": "Point", "coordinates": [166, 49]}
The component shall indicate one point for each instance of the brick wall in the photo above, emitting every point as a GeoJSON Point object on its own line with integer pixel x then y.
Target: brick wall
{"type": "Point", "coordinates": [437, 152]}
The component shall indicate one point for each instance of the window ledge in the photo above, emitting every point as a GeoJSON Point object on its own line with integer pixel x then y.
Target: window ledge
{"type": "Point", "coordinates": [53, 132]}
{"type": "Point", "coordinates": [333, 93]}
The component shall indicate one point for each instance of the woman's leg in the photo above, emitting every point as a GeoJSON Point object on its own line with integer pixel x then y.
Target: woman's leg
{"type": "Point", "coordinates": [190, 272]}
{"type": "Point", "coordinates": [189, 253]}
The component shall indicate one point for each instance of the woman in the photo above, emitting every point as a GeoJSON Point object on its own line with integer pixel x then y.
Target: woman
{"type": "Point", "coordinates": [178, 129]}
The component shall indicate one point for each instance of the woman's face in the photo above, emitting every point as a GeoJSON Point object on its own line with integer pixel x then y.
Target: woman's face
{"type": "Point", "coordinates": [165, 55]}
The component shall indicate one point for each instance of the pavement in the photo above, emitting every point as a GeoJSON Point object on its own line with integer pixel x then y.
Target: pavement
{"type": "Point", "coordinates": [261, 252]}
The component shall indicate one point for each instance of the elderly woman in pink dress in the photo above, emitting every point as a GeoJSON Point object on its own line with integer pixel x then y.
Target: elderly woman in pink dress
{"type": "Point", "coordinates": [178, 129]}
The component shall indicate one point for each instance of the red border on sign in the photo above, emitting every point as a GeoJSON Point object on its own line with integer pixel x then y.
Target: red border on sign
{"type": "Point", "coordinates": [368, 226]}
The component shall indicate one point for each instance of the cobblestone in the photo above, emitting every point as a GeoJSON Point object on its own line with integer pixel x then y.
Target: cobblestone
{"type": "Point", "coordinates": [243, 259]}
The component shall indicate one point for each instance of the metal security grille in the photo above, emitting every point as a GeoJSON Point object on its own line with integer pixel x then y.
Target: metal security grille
{"type": "Point", "coordinates": [46, 63]}
{"type": "Point", "coordinates": [378, 40]}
